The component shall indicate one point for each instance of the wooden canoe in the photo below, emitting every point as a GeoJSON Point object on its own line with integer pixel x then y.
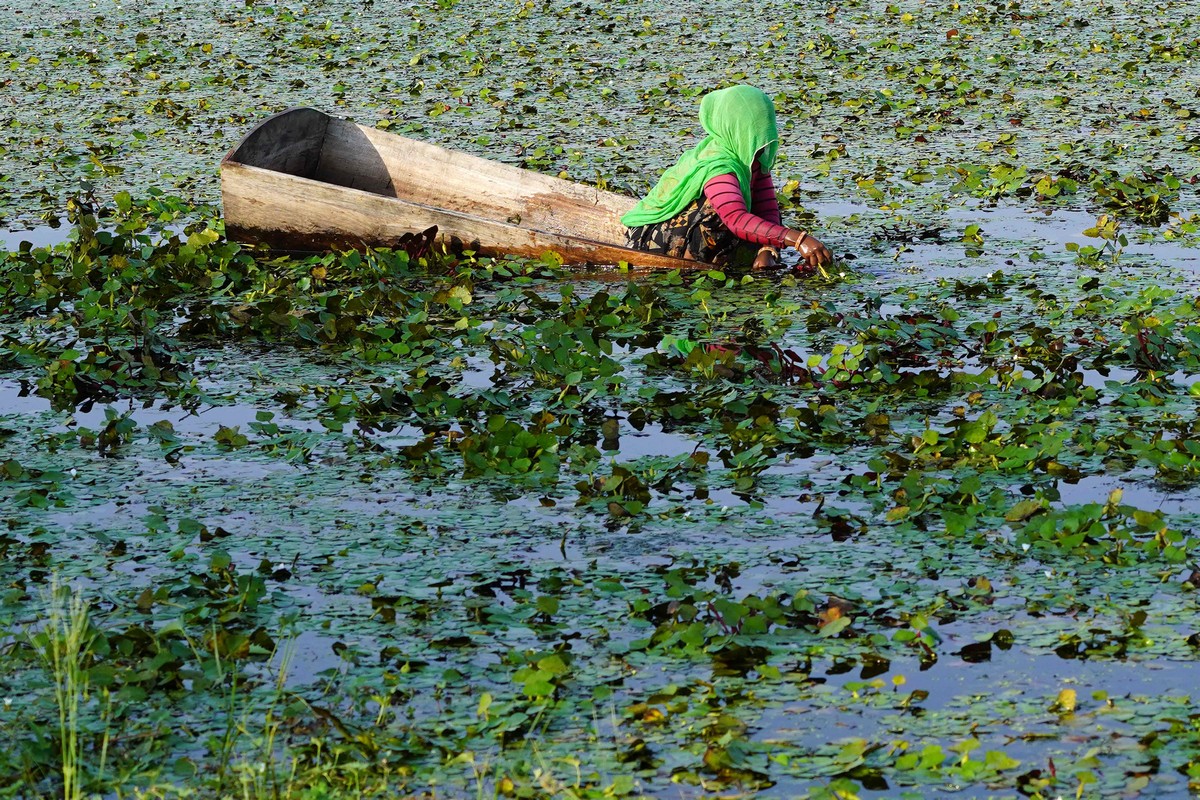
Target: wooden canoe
{"type": "Point", "coordinates": [304, 181]}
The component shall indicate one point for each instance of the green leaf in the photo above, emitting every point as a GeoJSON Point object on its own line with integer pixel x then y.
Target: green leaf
{"type": "Point", "coordinates": [1024, 510]}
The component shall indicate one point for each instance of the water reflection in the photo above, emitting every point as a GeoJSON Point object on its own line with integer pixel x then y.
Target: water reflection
{"type": "Point", "coordinates": [43, 236]}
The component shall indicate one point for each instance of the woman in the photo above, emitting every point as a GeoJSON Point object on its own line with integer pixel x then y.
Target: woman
{"type": "Point", "coordinates": [718, 201]}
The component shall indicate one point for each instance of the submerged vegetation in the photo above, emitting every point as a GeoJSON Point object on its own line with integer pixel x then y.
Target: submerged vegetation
{"type": "Point", "coordinates": [361, 524]}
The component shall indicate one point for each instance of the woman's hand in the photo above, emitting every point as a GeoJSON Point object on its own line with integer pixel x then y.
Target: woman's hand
{"type": "Point", "coordinates": [767, 257]}
{"type": "Point", "coordinates": [812, 252]}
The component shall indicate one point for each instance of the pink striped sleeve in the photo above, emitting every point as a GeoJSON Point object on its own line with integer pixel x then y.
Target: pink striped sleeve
{"type": "Point", "coordinates": [725, 195]}
{"type": "Point", "coordinates": [763, 200]}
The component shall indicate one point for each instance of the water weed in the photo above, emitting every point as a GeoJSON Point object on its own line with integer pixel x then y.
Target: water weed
{"type": "Point", "coordinates": [64, 644]}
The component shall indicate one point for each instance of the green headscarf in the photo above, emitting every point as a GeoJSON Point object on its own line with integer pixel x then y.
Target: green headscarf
{"type": "Point", "coordinates": [739, 121]}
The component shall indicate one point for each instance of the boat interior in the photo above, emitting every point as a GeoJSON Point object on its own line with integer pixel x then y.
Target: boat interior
{"type": "Point", "coordinates": [309, 144]}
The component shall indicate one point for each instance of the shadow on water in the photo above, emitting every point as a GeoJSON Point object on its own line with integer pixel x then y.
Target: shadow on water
{"type": "Point", "coordinates": [44, 236]}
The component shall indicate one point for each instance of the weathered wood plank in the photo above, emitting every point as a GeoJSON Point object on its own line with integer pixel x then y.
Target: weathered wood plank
{"type": "Point", "coordinates": [434, 176]}
{"type": "Point", "coordinates": [260, 206]}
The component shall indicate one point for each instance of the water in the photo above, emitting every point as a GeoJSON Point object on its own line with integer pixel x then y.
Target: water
{"type": "Point", "coordinates": [350, 526]}
{"type": "Point", "coordinates": [44, 236]}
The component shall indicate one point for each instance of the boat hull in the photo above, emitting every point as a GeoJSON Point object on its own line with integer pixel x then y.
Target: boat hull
{"type": "Point", "coordinates": [303, 181]}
